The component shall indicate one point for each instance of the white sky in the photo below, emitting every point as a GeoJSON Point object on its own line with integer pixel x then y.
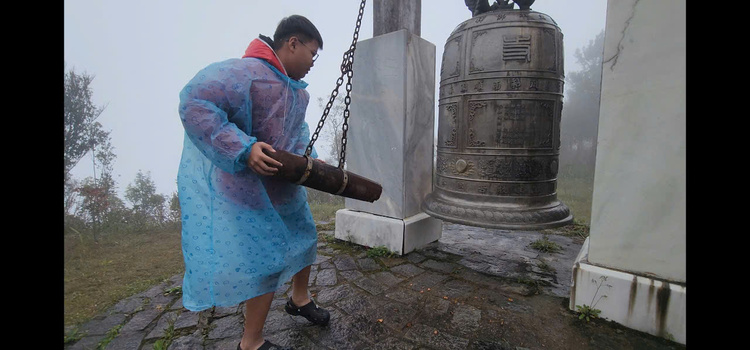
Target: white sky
{"type": "Point", "coordinates": [142, 53]}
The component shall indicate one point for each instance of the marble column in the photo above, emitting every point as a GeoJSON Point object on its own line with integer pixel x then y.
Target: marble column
{"type": "Point", "coordinates": [390, 137]}
{"type": "Point", "coordinates": [394, 15]}
{"type": "Point", "coordinates": [635, 254]}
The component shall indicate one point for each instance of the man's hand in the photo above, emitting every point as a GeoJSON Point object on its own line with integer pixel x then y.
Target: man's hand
{"type": "Point", "coordinates": [261, 163]}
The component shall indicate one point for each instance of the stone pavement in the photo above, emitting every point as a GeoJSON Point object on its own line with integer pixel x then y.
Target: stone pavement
{"type": "Point", "coordinates": [473, 289]}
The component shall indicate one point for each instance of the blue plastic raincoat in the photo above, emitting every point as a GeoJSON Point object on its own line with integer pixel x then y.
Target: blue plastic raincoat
{"type": "Point", "coordinates": [243, 234]}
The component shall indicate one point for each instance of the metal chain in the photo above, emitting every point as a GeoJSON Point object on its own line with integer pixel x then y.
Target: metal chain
{"type": "Point", "coordinates": [346, 69]}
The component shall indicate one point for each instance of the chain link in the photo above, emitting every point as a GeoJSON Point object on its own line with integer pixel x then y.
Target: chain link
{"type": "Point", "coordinates": [346, 69]}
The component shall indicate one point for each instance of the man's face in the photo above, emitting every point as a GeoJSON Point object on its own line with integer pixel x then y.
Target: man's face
{"type": "Point", "coordinates": [305, 54]}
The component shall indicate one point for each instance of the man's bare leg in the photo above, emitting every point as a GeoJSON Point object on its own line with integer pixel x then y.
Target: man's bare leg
{"type": "Point", "coordinates": [256, 311]}
{"type": "Point", "coordinates": [301, 304]}
{"type": "Point", "coordinates": [300, 292]}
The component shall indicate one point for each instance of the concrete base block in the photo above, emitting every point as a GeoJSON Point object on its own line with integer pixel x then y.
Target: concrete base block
{"type": "Point", "coordinates": [400, 236]}
{"type": "Point", "coordinates": [647, 304]}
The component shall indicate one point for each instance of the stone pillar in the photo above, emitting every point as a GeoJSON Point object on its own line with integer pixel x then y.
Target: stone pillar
{"type": "Point", "coordinates": [637, 239]}
{"type": "Point", "coordinates": [394, 15]}
{"type": "Point", "coordinates": [391, 133]}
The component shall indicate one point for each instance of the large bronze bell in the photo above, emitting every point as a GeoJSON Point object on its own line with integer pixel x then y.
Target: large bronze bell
{"type": "Point", "coordinates": [500, 102]}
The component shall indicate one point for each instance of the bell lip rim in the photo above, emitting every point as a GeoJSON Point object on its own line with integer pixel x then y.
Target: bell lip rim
{"type": "Point", "coordinates": [503, 226]}
{"type": "Point", "coordinates": [544, 202]}
{"type": "Point", "coordinates": [506, 225]}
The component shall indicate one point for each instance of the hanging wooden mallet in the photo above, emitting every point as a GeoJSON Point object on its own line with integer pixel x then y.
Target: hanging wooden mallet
{"type": "Point", "coordinates": [308, 172]}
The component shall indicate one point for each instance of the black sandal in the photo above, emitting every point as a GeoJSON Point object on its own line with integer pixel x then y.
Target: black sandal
{"type": "Point", "coordinates": [267, 345]}
{"type": "Point", "coordinates": [310, 311]}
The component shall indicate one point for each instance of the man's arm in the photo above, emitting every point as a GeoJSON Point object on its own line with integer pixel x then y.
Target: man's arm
{"type": "Point", "coordinates": [207, 125]}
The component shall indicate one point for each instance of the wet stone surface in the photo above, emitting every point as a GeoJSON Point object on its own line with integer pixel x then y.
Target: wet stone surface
{"type": "Point", "coordinates": [351, 275]}
{"type": "Point", "coordinates": [368, 264]}
{"type": "Point", "coordinates": [386, 279]}
{"type": "Point", "coordinates": [162, 325]}
{"type": "Point", "coordinates": [141, 320]}
{"type": "Point", "coordinates": [87, 343]}
{"type": "Point", "coordinates": [474, 289]}
{"type": "Point", "coordinates": [407, 270]}
{"type": "Point", "coordinates": [102, 325]}
{"type": "Point", "coordinates": [326, 277]}
{"type": "Point", "coordinates": [370, 285]}
{"type": "Point", "coordinates": [344, 262]}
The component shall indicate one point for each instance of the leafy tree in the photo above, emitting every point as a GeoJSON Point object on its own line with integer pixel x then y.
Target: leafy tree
{"type": "Point", "coordinates": [580, 118]}
{"type": "Point", "coordinates": [94, 198]}
{"type": "Point", "coordinates": [587, 81]}
{"type": "Point", "coordinates": [333, 128]}
{"type": "Point", "coordinates": [71, 196]}
{"type": "Point", "coordinates": [73, 222]}
{"type": "Point", "coordinates": [116, 217]}
{"type": "Point", "coordinates": [175, 212]}
{"type": "Point", "coordinates": [82, 132]}
{"type": "Point", "coordinates": [98, 196]}
{"type": "Point", "coordinates": [148, 206]}
{"type": "Point", "coordinates": [97, 200]}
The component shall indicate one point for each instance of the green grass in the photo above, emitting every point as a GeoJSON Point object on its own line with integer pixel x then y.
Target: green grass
{"type": "Point", "coordinates": [73, 335]}
{"type": "Point", "coordinates": [576, 190]}
{"type": "Point", "coordinates": [545, 245]}
{"type": "Point", "coordinates": [169, 333]}
{"type": "Point", "coordinates": [379, 251]}
{"type": "Point", "coordinates": [111, 334]}
{"type": "Point", "coordinates": [544, 266]}
{"type": "Point", "coordinates": [340, 246]}
{"type": "Point", "coordinates": [330, 226]}
{"type": "Point", "coordinates": [325, 211]}
{"type": "Point", "coordinates": [98, 275]}
{"type": "Point", "coordinates": [577, 230]}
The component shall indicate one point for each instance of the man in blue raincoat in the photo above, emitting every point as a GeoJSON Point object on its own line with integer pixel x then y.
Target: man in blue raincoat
{"type": "Point", "coordinates": [244, 232]}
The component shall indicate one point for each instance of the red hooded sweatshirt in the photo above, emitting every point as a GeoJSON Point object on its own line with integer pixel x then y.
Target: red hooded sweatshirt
{"type": "Point", "coordinates": [260, 49]}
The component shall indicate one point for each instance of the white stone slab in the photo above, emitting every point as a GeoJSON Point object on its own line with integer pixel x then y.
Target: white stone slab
{"type": "Point", "coordinates": [391, 128]}
{"type": "Point", "coordinates": [649, 305]}
{"type": "Point", "coordinates": [369, 230]}
{"type": "Point", "coordinates": [400, 236]}
{"type": "Point", "coordinates": [420, 230]}
{"type": "Point", "coordinates": [639, 200]}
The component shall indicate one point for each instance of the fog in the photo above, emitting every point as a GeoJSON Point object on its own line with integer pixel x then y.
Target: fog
{"type": "Point", "coordinates": [143, 52]}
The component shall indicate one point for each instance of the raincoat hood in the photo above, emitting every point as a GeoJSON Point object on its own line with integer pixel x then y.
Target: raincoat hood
{"type": "Point", "coordinates": [261, 49]}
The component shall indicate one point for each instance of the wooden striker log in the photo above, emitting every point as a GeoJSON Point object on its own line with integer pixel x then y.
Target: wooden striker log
{"type": "Point", "coordinates": [315, 174]}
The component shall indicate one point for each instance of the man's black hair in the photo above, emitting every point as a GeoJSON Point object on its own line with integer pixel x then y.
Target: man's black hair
{"type": "Point", "coordinates": [295, 25]}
